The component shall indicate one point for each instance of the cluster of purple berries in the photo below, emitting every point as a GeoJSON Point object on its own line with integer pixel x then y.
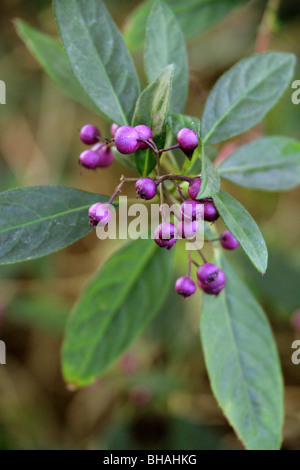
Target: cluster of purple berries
{"type": "Point", "coordinates": [210, 278]}
{"type": "Point", "coordinates": [100, 155]}
{"type": "Point", "coordinates": [128, 140]}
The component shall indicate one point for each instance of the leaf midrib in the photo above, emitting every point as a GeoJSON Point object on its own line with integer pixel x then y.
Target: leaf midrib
{"type": "Point", "coordinates": [101, 64]}
{"type": "Point", "coordinates": [235, 349]}
{"type": "Point", "coordinates": [241, 168]}
{"type": "Point", "coordinates": [43, 219]}
{"type": "Point", "coordinates": [258, 266]}
{"type": "Point", "coordinates": [115, 308]}
{"type": "Point", "coordinates": [242, 97]}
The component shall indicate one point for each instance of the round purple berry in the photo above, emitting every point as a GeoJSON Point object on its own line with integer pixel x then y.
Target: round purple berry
{"type": "Point", "coordinates": [191, 210]}
{"type": "Point", "coordinates": [185, 286]}
{"type": "Point", "coordinates": [113, 129]}
{"type": "Point", "coordinates": [210, 212]}
{"type": "Point", "coordinates": [228, 241]}
{"type": "Point", "coordinates": [146, 188]}
{"type": "Point", "coordinates": [106, 157]}
{"type": "Point", "coordinates": [89, 134]}
{"type": "Point", "coordinates": [89, 159]}
{"type": "Point", "coordinates": [165, 235]}
{"type": "Point", "coordinates": [126, 139]}
{"type": "Point", "coordinates": [144, 133]}
{"type": "Point", "coordinates": [187, 139]}
{"type": "Point", "coordinates": [99, 213]}
{"type": "Point", "coordinates": [187, 229]}
{"type": "Point", "coordinates": [194, 187]}
{"type": "Point", "coordinates": [210, 278]}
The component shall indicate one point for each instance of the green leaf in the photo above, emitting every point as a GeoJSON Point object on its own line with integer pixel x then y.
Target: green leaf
{"type": "Point", "coordinates": [52, 57]}
{"type": "Point", "coordinates": [98, 56]}
{"type": "Point", "coordinates": [244, 95]}
{"type": "Point", "coordinates": [152, 110]}
{"type": "Point", "coordinates": [243, 364]}
{"type": "Point", "coordinates": [242, 226]}
{"type": "Point", "coordinates": [194, 16]}
{"type": "Point", "coordinates": [115, 307]}
{"type": "Point", "coordinates": [39, 220]}
{"type": "Point", "coordinates": [270, 164]}
{"type": "Point", "coordinates": [210, 180]}
{"type": "Point", "coordinates": [163, 34]}
{"type": "Point", "coordinates": [178, 121]}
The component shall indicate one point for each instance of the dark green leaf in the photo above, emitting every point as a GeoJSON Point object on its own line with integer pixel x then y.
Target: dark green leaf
{"type": "Point", "coordinates": [115, 307]}
{"type": "Point", "coordinates": [242, 226]}
{"type": "Point", "coordinates": [194, 16]}
{"type": "Point", "coordinates": [152, 110]}
{"type": "Point", "coordinates": [210, 180]}
{"type": "Point", "coordinates": [145, 161]}
{"type": "Point", "coordinates": [270, 163]}
{"type": "Point", "coordinates": [242, 363]}
{"type": "Point", "coordinates": [165, 45]}
{"type": "Point", "coordinates": [98, 56]}
{"type": "Point", "coordinates": [244, 95]}
{"type": "Point", "coordinates": [178, 121]}
{"type": "Point", "coordinates": [52, 57]}
{"type": "Point", "coordinates": [38, 220]}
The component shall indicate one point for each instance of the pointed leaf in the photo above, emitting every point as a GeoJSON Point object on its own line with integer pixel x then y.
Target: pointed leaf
{"type": "Point", "coordinates": [194, 16]}
{"type": "Point", "coordinates": [163, 34]}
{"type": "Point", "coordinates": [52, 57]}
{"type": "Point", "coordinates": [270, 164]}
{"type": "Point", "coordinates": [98, 56]}
{"type": "Point", "coordinates": [243, 227]}
{"type": "Point", "coordinates": [114, 308]}
{"type": "Point", "coordinates": [38, 220]}
{"type": "Point", "coordinates": [242, 363]}
{"type": "Point", "coordinates": [210, 180]}
{"type": "Point", "coordinates": [152, 110]}
{"type": "Point", "coordinates": [244, 95]}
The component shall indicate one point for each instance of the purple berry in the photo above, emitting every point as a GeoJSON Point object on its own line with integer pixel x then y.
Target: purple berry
{"type": "Point", "coordinates": [228, 241]}
{"type": "Point", "coordinates": [89, 159]}
{"type": "Point", "coordinates": [165, 235]}
{"type": "Point", "coordinates": [187, 139]}
{"type": "Point", "coordinates": [185, 286]}
{"type": "Point", "coordinates": [210, 278]}
{"type": "Point", "coordinates": [106, 157]}
{"type": "Point", "coordinates": [187, 229]}
{"type": "Point", "coordinates": [113, 129]}
{"type": "Point", "coordinates": [191, 209]}
{"type": "Point", "coordinates": [194, 187]}
{"type": "Point", "coordinates": [144, 133]}
{"type": "Point", "coordinates": [89, 134]}
{"type": "Point", "coordinates": [126, 139]}
{"type": "Point", "coordinates": [146, 188]}
{"type": "Point", "coordinates": [210, 212]}
{"type": "Point", "coordinates": [99, 213]}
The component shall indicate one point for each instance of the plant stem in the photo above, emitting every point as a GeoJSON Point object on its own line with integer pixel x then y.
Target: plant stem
{"type": "Point", "coordinates": [169, 148]}
{"type": "Point", "coordinates": [178, 189]}
{"type": "Point", "coordinates": [172, 177]}
{"type": "Point", "coordinates": [202, 256]}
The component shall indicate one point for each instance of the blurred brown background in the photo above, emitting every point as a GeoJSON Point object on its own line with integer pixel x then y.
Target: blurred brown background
{"type": "Point", "coordinates": [157, 396]}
